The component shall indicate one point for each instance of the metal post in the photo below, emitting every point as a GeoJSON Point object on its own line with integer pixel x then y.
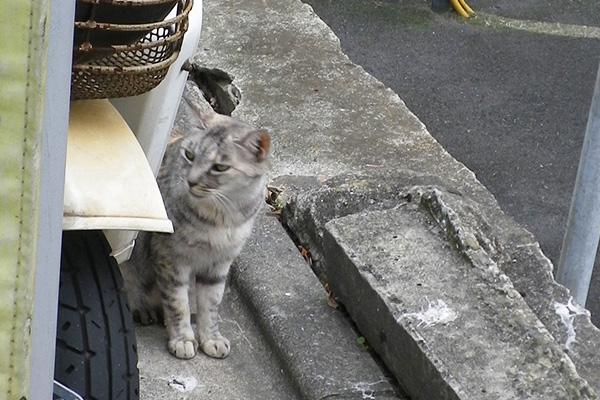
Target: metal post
{"type": "Point", "coordinates": [59, 37]}
{"type": "Point", "coordinates": [583, 227]}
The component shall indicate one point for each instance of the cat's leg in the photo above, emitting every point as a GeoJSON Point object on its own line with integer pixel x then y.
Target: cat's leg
{"type": "Point", "coordinates": [174, 286]}
{"type": "Point", "coordinates": [139, 281]}
{"type": "Point", "coordinates": [147, 308]}
{"type": "Point", "coordinates": [145, 316]}
{"type": "Point", "coordinates": [209, 293]}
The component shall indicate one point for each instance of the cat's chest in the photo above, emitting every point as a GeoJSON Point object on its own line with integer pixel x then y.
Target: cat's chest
{"type": "Point", "coordinates": [214, 239]}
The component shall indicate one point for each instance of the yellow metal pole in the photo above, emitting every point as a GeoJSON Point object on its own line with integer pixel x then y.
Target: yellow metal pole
{"type": "Point", "coordinates": [23, 26]}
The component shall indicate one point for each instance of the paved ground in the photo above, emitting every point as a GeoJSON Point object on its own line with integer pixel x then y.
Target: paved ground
{"type": "Point", "coordinates": [510, 104]}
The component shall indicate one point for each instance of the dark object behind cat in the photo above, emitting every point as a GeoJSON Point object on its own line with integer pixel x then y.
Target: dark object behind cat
{"type": "Point", "coordinates": [212, 181]}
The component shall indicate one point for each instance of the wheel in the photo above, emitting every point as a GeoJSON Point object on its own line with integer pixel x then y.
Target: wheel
{"type": "Point", "coordinates": [96, 353]}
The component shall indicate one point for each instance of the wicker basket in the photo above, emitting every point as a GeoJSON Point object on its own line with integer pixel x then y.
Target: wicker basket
{"type": "Point", "coordinates": [124, 69]}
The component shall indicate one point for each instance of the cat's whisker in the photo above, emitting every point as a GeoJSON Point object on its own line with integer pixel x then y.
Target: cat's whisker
{"type": "Point", "coordinates": [223, 200]}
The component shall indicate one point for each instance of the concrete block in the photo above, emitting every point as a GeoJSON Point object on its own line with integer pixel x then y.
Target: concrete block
{"type": "Point", "coordinates": [449, 327]}
{"type": "Point", "coordinates": [307, 212]}
{"type": "Point", "coordinates": [474, 218]}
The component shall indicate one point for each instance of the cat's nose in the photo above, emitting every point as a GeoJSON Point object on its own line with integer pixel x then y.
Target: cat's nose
{"type": "Point", "coordinates": [193, 178]}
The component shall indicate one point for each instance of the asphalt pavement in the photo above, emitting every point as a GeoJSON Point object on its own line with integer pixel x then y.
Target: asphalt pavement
{"type": "Point", "coordinates": [506, 92]}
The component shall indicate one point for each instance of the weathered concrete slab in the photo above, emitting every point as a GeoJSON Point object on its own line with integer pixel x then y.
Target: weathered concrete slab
{"type": "Point", "coordinates": [315, 203]}
{"type": "Point", "coordinates": [480, 223]}
{"type": "Point", "coordinates": [326, 114]}
{"type": "Point", "coordinates": [448, 327]}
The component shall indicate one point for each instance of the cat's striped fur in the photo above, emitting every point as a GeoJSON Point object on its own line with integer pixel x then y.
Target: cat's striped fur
{"type": "Point", "coordinates": [212, 181]}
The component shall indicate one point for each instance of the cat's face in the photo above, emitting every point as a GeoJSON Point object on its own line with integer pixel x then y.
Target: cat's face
{"type": "Point", "coordinates": [222, 159]}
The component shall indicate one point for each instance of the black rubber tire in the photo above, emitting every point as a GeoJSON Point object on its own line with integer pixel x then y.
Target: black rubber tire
{"type": "Point", "coordinates": [96, 354]}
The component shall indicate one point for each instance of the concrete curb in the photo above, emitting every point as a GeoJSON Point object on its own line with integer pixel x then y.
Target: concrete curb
{"type": "Point", "coordinates": [464, 328]}
{"type": "Point", "coordinates": [500, 245]}
{"type": "Point", "coordinates": [315, 344]}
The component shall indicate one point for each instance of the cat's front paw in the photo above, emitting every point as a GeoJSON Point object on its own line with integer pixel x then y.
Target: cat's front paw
{"type": "Point", "coordinates": [183, 348]}
{"type": "Point", "coordinates": [216, 347]}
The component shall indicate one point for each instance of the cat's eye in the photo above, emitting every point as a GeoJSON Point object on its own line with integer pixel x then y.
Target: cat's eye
{"type": "Point", "coordinates": [189, 155]}
{"type": "Point", "coordinates": [220, 167]}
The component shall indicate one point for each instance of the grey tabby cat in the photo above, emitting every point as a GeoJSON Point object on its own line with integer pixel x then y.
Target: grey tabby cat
{"type": "Point", "coordinates": [212, 182]}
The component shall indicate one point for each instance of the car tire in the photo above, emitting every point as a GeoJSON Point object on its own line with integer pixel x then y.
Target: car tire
{"type": "Point", "coordinates": [96, 354]}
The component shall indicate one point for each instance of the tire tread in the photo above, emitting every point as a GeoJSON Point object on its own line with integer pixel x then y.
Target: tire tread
{"type": "Point", "coordinates": [96, 353]}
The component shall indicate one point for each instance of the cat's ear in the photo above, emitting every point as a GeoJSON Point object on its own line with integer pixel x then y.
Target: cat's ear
{"type": "Point", "coordinates": [198, 117]}
{"type": "Point", "coordinates": [258, 143]}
